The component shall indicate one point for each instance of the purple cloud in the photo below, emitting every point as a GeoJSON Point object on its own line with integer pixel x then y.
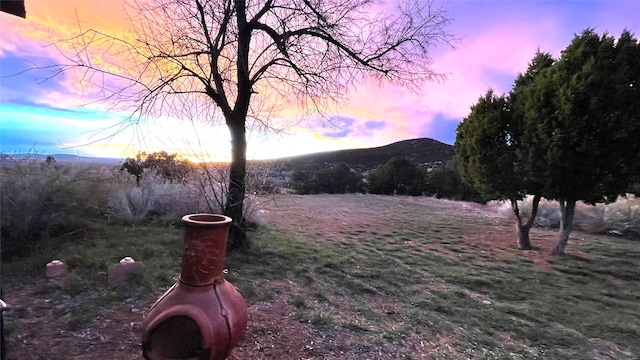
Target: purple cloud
{"type": "Point", "coordinates": [339, 127]}
{"type": "Point", "coordinates": [374, 125]}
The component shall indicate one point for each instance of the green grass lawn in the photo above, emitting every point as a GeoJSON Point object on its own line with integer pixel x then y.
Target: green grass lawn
{"type": "Point", "coordinates": [419, 284]}
{"type": "Point", "coordinates": [507, 308]}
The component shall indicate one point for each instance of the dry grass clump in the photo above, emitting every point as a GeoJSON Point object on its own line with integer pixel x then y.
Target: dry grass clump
{"type": "Point", "coordinates": [42, 200]}
{"type": "Point", "coordinates": [46, 201]}
{"type": "Point", "coordinates": [621, 217]}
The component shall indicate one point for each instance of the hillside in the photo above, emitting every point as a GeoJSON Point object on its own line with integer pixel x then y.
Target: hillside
{"type": "Point", "coordinates": [419, 151]}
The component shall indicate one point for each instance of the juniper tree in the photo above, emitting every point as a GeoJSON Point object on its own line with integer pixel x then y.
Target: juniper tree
{"type": "Point", "coordinates": [588, 124]}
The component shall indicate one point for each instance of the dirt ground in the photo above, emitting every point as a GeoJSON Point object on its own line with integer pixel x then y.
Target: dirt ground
{"type": "Point", "coordinates": [273, 331]}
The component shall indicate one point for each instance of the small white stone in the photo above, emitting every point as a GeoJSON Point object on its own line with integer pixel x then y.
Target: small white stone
{"type": "Point", "coordinates": [127, 260]}
{"type": "Point", "coordinates": [55, 268]}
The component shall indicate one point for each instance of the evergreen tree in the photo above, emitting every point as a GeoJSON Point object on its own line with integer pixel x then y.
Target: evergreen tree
{"type": "Point", "coordinates": [566, 131]}
{"type": "Point", "coordinates": [588, 136]}
{"type": "Point", "coordinates": [488, 143]}
{"type": "Point", "coordinates": [398, 176]}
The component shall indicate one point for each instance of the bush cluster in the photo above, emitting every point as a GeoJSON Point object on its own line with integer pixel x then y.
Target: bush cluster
{"type": "Point", "coordinates": [170, 167]}
{"type": "Point", "coordinates": [446, 182]}
{"type": "Point", "coordinates": [398, 176]}
{"type": "Point", "coordinates": [42, 200]}
{"type": "Point", "coordinates": [621, 218]}
{"type": "Point", "coordinates": [45, 202]}
{"type": "Point", "coordinates": [339, 179]}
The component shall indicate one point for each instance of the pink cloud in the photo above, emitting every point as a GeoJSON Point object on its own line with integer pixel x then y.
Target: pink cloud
{"type": "Point", "coordinates": [498, 40]}
{"type": "Point", "coordinates": [483, 59]}
{"type": "Point", "coordinates": [486, 59]}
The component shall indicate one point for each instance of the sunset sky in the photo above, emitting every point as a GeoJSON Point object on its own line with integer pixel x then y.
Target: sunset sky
{"type": "Point", "coordinates": [497, 40]}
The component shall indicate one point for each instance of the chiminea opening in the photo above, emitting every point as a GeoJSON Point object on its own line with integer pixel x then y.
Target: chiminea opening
{"type": "Point", "coordinates": [206, 219]}
{"type": "Point", "coordinates": [178, 337]}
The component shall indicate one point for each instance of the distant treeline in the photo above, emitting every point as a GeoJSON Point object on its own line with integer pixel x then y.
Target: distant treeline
{"type": "Point", "coordinates": [398, 176]}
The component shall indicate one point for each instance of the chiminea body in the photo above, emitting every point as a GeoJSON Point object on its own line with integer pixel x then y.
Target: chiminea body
{"type": "Point", "coordinates": [202, 316]}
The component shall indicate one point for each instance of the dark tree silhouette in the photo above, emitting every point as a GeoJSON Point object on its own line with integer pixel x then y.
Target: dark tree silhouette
{"type": "Point", "coordinates": [397, 176]}
{"type": "Point", "coordinates": [171, 167]}
{"type": "Point", "coordinates": [590, 125]}
{"type": "Point", "coordinates": [567, 131]}
{"type": "Point", "coordinates": [135, 167]}
{"type": "Point", "coordinates": [13, 7]}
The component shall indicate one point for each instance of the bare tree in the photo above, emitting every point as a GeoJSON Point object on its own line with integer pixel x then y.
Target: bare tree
{"type": "Point", "coordinates": [228, 60]}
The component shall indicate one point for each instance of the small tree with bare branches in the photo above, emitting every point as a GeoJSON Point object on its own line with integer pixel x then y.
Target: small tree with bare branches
{"type": "Point", "coordinates": [236, 62]}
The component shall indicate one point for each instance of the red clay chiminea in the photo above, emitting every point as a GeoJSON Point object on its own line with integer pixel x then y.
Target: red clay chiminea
{"type": "Point", "coordinates": [202, 316]}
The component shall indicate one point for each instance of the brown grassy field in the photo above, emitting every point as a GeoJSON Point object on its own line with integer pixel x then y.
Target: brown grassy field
{"type": "Point", "coordinates": [353, 277]}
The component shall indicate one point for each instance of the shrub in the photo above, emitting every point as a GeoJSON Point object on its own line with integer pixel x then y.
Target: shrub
{"type": "Point", "coordinates": [170, 167]}
{"type": "Point", "coordinates": [339, 179]}
{"type": "Point", "coordinates": [302, 181]}
{"type": "Point", "coordinates": [398, 176]}
{"type": "Point", "coordinates": [621, 217]}
{"type": "Point", "coordinates": [208, 187]}
{"type": "Point", "coordinates": [446, 182]}
{"type": "Point", "coordinates": [41, 200]}
{"type": "Point", "coordinates": [153, 198]}
{"type": "Point", "coordinates": [133, 204]}
{"type": "Point", "coordinates": [634, 189]}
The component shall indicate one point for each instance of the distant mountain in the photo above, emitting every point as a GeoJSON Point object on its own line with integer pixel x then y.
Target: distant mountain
{"type": "Point", "coordinates": [418, 151]}
{"type": "Point", "coordinates": [63, 158]}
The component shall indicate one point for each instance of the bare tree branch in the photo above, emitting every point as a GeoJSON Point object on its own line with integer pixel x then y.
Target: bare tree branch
{"type": "Point", "coordinates": [194, 58]}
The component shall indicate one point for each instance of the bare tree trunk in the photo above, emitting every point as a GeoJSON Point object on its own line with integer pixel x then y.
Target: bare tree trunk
{"type": "Point", "coordinates": [183, 50]}
{"type": "Point", "coordinates": [567, 210]}
{"type": "Point", "coordinates": [237, 184]}
{"type": "Point", "coordinates": [524, 242]}
{"type": "Point", "coordinates": [523, 229]}
{"type": "Point", "coordinates": [236, 122]}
